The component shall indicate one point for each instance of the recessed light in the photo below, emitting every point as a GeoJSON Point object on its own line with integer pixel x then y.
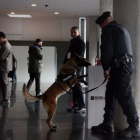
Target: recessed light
{"type": "Point", "coordinates": [56, 13]}
{"type": "Point", "coordinates": [33, 5]}
{"type": "Point", "coordinates": [19, 16]}
{"type": "Point", "coordinates": [12, 13]}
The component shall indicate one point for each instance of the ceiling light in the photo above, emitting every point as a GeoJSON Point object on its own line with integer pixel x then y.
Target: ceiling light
{"type": "Point", "coordinates": [56, 13]}
{"type": "Point", "coordinates": [33, 5]}
{"type": "Point", "coordinates": [12, 13]}
{"type": "Point", "coordinates": [19, 16]}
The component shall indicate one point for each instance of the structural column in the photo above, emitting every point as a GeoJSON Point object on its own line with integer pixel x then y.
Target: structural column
{"type": "Point", "coordinates": [127, 13]}
{"type": "Point", "coordinates": [105, 5]}
{"type": "Point", "coordinates": [95, 32]}
{"type": "Point", "coordinates": [93, 39]}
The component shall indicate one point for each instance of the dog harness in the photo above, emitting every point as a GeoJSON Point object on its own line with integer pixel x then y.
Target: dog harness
{"type": "Point", "coordinates": [65, 78]}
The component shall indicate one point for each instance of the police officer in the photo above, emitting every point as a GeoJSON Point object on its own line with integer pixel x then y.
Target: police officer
{"type": "Point", "coordinates": [116, 59]}
{"type": "Point", "coordinates": [77, 45]}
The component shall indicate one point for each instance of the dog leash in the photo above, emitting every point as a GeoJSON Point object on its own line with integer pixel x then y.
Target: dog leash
{"type": "Point", "coordinates": [96, 87]}
{"type": "Point", "coordinates": [63, 88]}
{"type": "Point", "coordinates": [85, 91]}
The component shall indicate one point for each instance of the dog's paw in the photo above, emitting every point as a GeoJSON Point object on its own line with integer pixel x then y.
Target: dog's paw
{"type": "Point", "coordinates": [55, 127]}
{"type": "Point", "coordinates": [53, 130]}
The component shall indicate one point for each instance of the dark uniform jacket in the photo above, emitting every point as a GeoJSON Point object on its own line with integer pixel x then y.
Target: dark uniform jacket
{"type": "Point", "coordinates": [5, 57]}
{"type": "Point", "coordinates": [77, 45]}
{"type": "Point", "coordinates": [35, 59]}
{"type": "Point", "coordinates": [115, 42]}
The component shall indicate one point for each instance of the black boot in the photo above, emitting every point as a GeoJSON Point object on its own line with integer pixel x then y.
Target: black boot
{"type": "Point", "coordinates": [131, 131]}
{"type": "Point", "coordinates": [103, 127]}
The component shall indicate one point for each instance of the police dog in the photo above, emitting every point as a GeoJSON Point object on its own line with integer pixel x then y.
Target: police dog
{"type": "Point", "coordinates": [49, 98]}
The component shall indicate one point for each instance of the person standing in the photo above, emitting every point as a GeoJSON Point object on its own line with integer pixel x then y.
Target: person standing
{"type": "Point", "coordinates": [5, 66]}
{"type": "Point", "coordinates": [12, 74]}
{"type": "Point", "coordinates": [35, 65]}
{"type": "Point", "coordinates": [77, 45]}
{"type": "Point", "coordinates": [116, 59]}
{"type": "Point", "coordinates": [14, 78]}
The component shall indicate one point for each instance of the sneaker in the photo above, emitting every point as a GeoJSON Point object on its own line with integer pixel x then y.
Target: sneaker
{"type": "Point", "coordinates": [4, 101]}
{"type": "Point", "coordinates": [72, 109]}
{"type": "Point", "coordinates": [6, 104]}
{"type": "Point", "coordinates": [81, 110]}
{"type": "Point", "coordinates": [103, 127]}
{"type": "Point", "coordinates": [39, 94]}
{"type": "Point", "coordinates": [130, 132]}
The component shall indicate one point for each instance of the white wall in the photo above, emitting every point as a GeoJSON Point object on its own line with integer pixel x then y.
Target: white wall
{"type": "Point", "coordinates": [66, 26]}
{"type": "Point", "coordinates": [12, 28]}
{"type": "Point", "coordinates": [46, 29]}
{"type": "Point", "coordinates": [48, 70]}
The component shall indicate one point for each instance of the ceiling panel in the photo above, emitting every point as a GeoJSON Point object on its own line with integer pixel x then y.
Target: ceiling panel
{"type": "Point", "coordinates": [66, 8]}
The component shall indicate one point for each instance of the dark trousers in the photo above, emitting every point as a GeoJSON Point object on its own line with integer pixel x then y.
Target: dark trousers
{"type": "Point", "coordinates": [4, 84]}
{"type": "Point", "coordinates": [78, 96]}
{"type": "Point", "coordinates": [35, 76]}
{"type": "Point", "coordinates": [14, 78]}
{"type": "Point", "coordinates": [119, 90]}
{"type": "Point", "coordinates": [78, 92]}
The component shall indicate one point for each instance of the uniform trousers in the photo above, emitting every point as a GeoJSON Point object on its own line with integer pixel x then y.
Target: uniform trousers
{"type": "Point", "coordinates": [118, 89]}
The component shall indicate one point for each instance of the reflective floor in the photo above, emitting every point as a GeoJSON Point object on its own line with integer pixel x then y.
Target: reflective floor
{"type": "Point", "coordinates": [27, 121]}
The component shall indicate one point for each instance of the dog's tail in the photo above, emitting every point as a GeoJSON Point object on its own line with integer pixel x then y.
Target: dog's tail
{"type": "Point", "coordinates": [29, 97]}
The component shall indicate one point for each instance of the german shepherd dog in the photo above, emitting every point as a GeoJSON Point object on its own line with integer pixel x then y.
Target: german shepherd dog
{"type": "Point", "coordinates": [49, 98]}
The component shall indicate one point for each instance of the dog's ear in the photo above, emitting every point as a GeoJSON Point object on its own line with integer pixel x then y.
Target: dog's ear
{"type": "Point", "coordinates": [77, 57]}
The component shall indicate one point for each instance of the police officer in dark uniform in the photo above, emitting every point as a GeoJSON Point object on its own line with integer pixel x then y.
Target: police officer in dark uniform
{"type": "Point", "coordinates": [116, 59]}
{"type": "Point", "coordinates": [77, 45]}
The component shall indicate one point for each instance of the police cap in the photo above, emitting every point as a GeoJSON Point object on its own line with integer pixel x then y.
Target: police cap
{"type": "Point", "coordinates": [102, 18]}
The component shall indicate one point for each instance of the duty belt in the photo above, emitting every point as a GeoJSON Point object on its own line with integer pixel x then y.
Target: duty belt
{"type": "Point", "coordinates": [117, 62]}
{"type": "Point", "coordinates": [123, 62]}
{"type": "Point", "coordinates": [127, 58]}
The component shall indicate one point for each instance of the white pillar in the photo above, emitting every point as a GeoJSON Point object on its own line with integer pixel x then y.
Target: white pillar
{"type": "Point", "coordinates": [127, 13]}
{"type": "Point", "coordinates": [95, 32]}
{"type": "Point", "coordinates": [93, 37]}
{"type": "Point", "coordinates": [105, 5]}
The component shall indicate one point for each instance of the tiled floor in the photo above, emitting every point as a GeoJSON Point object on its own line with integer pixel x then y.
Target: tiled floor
{"type": "Point", "coordinates": [27, 121]}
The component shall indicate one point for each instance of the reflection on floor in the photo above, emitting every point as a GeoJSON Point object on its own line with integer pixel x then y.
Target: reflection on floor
{"type": "Point", "coordinates": [27, 121]}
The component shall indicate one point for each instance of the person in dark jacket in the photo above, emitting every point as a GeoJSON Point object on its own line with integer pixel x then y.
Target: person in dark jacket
{"type": "Point", "coordinates": [14, 78]}
{"type": "Point", "coordinates": [77, 45]}
{"type": "Point", "coordinates": [116, 59]}
{"type": "Point", "coordinates": [35, 65]}
{"type": "Point", "coordinates": [5, 66]}
{"type": "Point", "coordinates": [12, 74]}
